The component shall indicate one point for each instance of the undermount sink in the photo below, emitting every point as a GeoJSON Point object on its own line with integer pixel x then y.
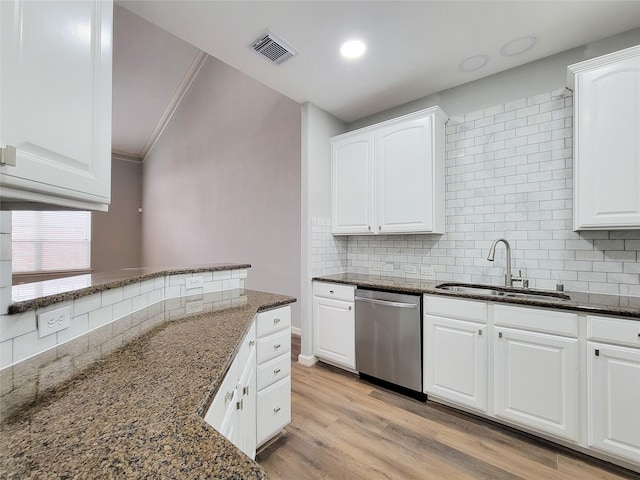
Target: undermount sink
{"type": "Point", "coordinates": [492, 290]}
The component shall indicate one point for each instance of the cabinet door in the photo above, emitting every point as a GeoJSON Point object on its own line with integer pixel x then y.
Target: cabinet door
{"type": "Point", "coordinates": [334, 331]}
{"type": "Point", "coordinates": [536, 381]}
{"type": "Point", "coordinates": [607, 145]}
{"type": "Point", "coordinates": [56, 101]}
{"type": "Point", "coordinates": [352, 184]}
{"type": "Point", "coordinates": [246, 436]}
{"type": "Point", "coordinates": [405, 177]}
{"type": "Point", "coordinates": [614, 400]}
{"type": "Point", "coordinates": [455, 361]}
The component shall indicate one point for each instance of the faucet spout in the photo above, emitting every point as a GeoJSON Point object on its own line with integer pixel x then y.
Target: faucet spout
{"type": "Point", "coordinates": [492, 254]}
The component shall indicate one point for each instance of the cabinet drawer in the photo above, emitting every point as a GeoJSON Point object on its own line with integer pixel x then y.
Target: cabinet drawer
{"type": "Point", "coordinates": [332, 290]}
{"type": "Point", "coordinates": [614, 330]}
{"type": "Point", "coordinates": [273, 371]}
{"type": "Point", "coordinates": [274, 409]}
{"type": "Point", "coordinates": [539, 320]}
{"type": "Point", "coordinates": [274, 345]}
{"type": "Point", "coordinates": [272, 320]}
{"type": "Point", "coordinates": [475, 311]}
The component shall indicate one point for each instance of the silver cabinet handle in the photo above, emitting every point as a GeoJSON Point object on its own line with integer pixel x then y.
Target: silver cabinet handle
{"type": "Point", "coordinates": [499, 334]}
{"type": "Point", "coordinates": [276, 346]}
{"type": "Point", "coordinates": [369, 227]}
{"type": "Point", "coordinates": [349, 307]}
{"type": "Point", "coordinates": [228, 396]}
{"type": "Point", "coordinates": [276, 321]}
{"type": "Point", "coordinates": [380, 227]}
{"type": "Point", "coordinates": [239, 405]}
{"type": "Point", "coordinates": [330, 291]}
{"type": "Point", "coordinates": [276, 371]}
{"type": "Point", "coordinates": [276, 410]}
{"type": "Point", "coordinates": [245, 390]}
{"type": "Point", "coordinates": [252, 343]}
{"type": "Point", "coordinates": [479, 332]}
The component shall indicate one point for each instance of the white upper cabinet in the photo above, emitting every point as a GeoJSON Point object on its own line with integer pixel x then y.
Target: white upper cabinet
{"type": "Point", "coordinates": [606, 141]}
{"type": "Point", "coordinates": [55, 101]}
{"type": "Point", "coordinates": [389, 178]}
{"type": "Point", "coordinates": [352, 167]}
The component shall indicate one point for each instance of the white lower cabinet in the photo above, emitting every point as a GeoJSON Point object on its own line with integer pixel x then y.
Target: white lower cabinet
{"type": "Point", "coordinates": [253, 402]}
{"type": "Point", "coordinates": [536, 369]}
{"type": "Point", "coordinates": [233, 410]}
{"type": "Point", "coordinates": [536, 381]}
{"type": "Point", "coordinates": [334, 324]}
{"type": "Point", "coordinates": [455, 351]}
{"type": "Point", "coordinates": [613, 384]}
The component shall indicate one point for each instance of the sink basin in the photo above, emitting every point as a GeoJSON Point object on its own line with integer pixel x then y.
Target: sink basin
{"type": "Point", "coordinates": [492, 290]}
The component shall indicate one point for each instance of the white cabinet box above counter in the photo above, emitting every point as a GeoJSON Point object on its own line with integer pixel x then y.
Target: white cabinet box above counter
{"type": "Point", "coordinates": [389, 178]}
{"type": "Point", "coordinates": [606, 141]}
{"type": "Point", "coordinates": [56, 70]}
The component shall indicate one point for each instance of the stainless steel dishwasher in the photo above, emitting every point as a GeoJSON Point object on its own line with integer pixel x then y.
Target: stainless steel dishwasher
{"type": "Point", "coordinates": [389, 337]}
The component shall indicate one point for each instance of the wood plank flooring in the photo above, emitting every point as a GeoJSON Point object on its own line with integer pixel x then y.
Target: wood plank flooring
{"type": "Point", "coordinates": [344, 428]}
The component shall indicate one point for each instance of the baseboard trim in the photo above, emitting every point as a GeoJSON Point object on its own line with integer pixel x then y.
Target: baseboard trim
{"type": "Point", "coordinates": [307, 361]}
{"type": "Point", "coordinates": [296, 331]}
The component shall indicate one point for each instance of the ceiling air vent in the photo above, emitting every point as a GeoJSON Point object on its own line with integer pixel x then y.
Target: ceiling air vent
{"type": "Point", "coordinates": [272, 48]}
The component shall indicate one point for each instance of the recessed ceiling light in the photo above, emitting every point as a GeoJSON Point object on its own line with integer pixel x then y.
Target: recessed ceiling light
{"type": "Point", "coordinates": [518, 46]}
{"type": "Point", "coordinates": [473, 63]}
{"type": "Point", "coordinates": [353, 49]}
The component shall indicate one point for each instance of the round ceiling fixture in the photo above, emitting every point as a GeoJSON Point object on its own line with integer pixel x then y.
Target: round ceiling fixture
{"type": "Point", "coordinates": [353, 49]}
{"type": "Point", "coordinates": [473, 63]}
{"type": "Point", "coordinates": [518, 46]}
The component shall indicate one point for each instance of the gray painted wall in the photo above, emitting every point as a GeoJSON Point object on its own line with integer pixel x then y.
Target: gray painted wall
{"type": "Point", "coordinates": [116, 234]}
{"type": "Point", "coordinates": [544, 75]}
{"type": "Point", "coordinates": [223, 182]}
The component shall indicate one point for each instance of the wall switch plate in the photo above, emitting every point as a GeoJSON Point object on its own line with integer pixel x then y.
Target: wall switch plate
{"type": "Point", "coordinates": [194, 307]}
{"type": "Point", "coordinates": [388, 267]}
{"type": "Point", "coordinates": [53, 321]}
{"type": "Point", "coordinates": [410, 269]}
{"type": "Point", "coordinates": [194, 282]}
{"type": "Point", "coordinates": [427, 270]}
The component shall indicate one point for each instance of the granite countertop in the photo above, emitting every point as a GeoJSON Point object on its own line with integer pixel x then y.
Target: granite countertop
{"type": "Point", "coordinates": [139, 413]}
{"type": "Point", "coordinates": [30, 296]}
{"type": "Point", "coordinates": [624, 306]}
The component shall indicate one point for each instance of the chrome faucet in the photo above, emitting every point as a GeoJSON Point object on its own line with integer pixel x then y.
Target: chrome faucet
{"type": "Point", "coordinates": [508, 278]}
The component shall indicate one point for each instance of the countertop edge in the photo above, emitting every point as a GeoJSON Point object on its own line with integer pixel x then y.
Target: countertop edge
{"type": "Point", "coordinates": [39, 302]}
{"type": "Point", "coordinates": [560, 304]}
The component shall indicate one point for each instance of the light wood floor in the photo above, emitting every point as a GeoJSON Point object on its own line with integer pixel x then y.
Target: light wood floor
{"type": "Point", "coordinates": [344, 428]}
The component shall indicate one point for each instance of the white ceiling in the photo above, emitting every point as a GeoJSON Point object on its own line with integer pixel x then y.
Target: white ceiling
{"type": "Point", "coordinates": [414, 47]}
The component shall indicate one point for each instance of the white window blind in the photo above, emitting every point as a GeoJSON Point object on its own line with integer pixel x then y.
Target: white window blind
{"type": "Point", "coordinates": [50, 241]}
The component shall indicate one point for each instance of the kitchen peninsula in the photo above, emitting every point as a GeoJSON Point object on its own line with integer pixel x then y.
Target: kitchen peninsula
{"type": "Point", "coordinates": [138, 410]}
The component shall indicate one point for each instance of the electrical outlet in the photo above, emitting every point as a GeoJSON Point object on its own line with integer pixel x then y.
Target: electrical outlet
{"type": "Point", "coordinates": [194, 282]}
{"type": "Point", "coordinates": [427, 270]}
{"type": "Point", "coordinates": [53, 321]}
{"type": "Point", "coordinates": [410, 269]}
{"type": "Point", "coordinates": [194, 307]}
{"type": "Point", "coordinates": [388, 267]}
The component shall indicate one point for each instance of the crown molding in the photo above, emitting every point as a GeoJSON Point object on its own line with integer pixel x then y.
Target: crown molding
{"type": "Point", "coordinates": [125, 157]}
{"type": "Point", "coordinates": [173, 105]}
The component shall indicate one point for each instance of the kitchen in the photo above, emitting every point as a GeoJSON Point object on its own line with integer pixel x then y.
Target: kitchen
{"type": "Point", "coordinates": [592, 261]}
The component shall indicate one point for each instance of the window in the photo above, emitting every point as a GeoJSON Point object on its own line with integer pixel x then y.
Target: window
{"type": "Point", "coordinates": [50, 241]}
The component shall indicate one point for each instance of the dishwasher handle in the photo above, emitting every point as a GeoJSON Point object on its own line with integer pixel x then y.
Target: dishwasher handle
{"type": "Point", "coordinates": [386, 302]}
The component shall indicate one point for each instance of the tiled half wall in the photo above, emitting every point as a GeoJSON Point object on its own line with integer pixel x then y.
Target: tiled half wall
{"type": "Point", "coordinates": [100, 324]}
{"type": "Point", "coordinates": [508, 174]}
